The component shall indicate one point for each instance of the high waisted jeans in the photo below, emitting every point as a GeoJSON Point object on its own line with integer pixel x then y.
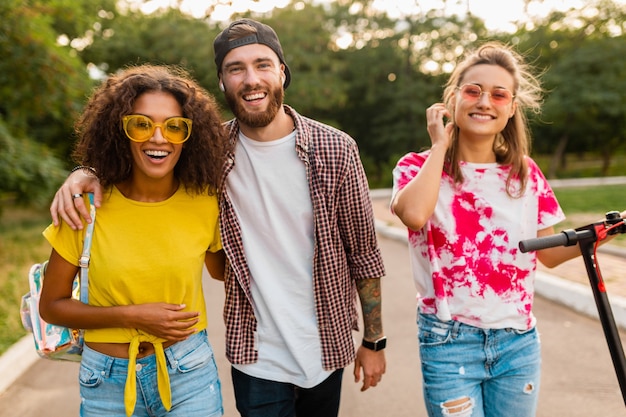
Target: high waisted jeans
{"type": "Point", "coordinates": [468, 371]}
{"type": "Point", "coordinates": [194, 382]}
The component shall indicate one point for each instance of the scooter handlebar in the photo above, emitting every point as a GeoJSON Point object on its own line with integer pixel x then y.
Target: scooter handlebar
{"type": "Point", "coordinates": [565, 238]}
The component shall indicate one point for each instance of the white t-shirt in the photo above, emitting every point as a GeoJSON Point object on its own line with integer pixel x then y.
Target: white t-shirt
{"type": "Point", "coordinates": [270, 194]}
{"type": "Point", "coordinates": [466, 262]}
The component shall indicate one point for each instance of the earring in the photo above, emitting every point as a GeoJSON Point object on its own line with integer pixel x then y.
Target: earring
{"type": "Point", "coordinates": [221, 85]}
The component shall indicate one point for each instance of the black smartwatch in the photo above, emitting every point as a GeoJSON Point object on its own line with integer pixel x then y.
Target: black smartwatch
{"type": "Point", "coordinates": [377, 345]}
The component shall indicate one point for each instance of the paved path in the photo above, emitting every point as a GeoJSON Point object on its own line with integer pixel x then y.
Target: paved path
{"type": "Point", "coordinates": [578, 377]}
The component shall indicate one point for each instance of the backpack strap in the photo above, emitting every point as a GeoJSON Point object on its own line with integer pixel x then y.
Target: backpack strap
{"type": "Point", "coordinates": [84, 258]}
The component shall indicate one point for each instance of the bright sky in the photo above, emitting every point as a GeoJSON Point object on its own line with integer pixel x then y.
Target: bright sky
{"type": "Point", "coordinates": [496, 14]}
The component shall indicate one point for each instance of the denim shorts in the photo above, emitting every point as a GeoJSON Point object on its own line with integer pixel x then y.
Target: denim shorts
{"type": "Point", "coordinates": [469, 371]}
{"type": "Point", "coordinates": [194, 382]}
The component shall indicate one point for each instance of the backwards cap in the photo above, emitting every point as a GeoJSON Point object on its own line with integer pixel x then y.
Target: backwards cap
{"type": "Point", "coordinates": [265, 35]}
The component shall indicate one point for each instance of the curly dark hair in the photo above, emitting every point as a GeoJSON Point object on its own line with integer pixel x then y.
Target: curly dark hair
{"type": "Point", "coordinates": [103, 145]}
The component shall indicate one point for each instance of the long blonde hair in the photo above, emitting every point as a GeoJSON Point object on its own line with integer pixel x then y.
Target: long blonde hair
{"type": "Point", "coordinates": [513, 143]}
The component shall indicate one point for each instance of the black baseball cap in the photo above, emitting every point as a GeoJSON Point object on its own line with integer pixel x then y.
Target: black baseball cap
{"type": "Point", "coordinates": [265, 35]}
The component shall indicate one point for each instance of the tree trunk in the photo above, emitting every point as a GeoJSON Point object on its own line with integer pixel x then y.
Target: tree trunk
{"type": "Point", "coordinates": [606, 163]}
{"type": "Point", "coordinates": [557, 157]}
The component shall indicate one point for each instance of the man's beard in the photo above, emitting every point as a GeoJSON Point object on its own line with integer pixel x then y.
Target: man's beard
{"type": "Point", "coordinates": [256, 119]}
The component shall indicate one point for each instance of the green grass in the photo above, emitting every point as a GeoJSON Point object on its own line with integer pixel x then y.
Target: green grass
{"type": "Point", "coordinates": [21, 245]}
{"type": "Point", "coordinates": [595, 199]}
{"type": "Point", "coordinates": [586, 205]}
{"type": "Point", "coordinates": [584, 166]}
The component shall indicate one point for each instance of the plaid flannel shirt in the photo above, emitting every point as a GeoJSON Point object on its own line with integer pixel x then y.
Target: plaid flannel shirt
{"type": "Point", "coordinates": [346, 249]}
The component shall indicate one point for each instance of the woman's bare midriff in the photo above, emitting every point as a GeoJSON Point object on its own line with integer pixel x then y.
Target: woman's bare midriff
{"type": "Point", "coordinates": [120, 350]}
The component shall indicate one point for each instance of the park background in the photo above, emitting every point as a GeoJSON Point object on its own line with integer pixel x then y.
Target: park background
{"type": "Point", "coordinates": [367, 70]}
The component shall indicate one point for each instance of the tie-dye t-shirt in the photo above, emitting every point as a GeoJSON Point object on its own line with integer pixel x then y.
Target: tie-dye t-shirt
{"type": "Point", "coordinates": [466, 262]}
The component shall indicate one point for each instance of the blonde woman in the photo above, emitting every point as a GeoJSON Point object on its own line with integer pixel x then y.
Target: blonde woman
{"type": "Point", "coordinates": [467, 202]}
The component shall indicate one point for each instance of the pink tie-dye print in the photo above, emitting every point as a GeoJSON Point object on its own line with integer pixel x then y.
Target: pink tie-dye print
{"type": "Point", "coordinates": [466, 261]}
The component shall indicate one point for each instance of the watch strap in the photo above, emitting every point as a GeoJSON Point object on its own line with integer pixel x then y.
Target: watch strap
{"type": "Point", "coordinates": [377, 345]}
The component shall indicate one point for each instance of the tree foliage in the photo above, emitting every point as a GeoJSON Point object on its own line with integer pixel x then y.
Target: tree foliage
{"type": "Point", "coordinates": [163, 37]}
{"type": "Point", "coordinates": [353, 66]}
{"type": "Point", "coordinates": [40, 80]}
{"type": "Point", "coordinates": [582, 54]}
{"type": "Point", "coordinates": [42, 85]}
{"type": "Point", "coordinates": [34, 173]}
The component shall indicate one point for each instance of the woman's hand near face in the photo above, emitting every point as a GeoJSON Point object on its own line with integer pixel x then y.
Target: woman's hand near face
{"type": "Point", "coordinates": [416, 202]}
{"type": "Point", "coordinates": [438, 130]}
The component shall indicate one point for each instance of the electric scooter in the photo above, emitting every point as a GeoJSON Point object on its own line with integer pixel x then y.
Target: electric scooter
{"type": "Point", "coordinates": [588, 238]}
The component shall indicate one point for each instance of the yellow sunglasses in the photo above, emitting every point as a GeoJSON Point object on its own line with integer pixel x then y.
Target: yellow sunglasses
{"type": "Point", "coordinates": [141, 128]}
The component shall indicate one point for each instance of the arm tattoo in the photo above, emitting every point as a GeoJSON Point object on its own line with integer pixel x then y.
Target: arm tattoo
{"type": "Point", "coordinates": [370, 297]}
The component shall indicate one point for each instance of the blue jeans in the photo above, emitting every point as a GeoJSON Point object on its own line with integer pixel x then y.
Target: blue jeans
{"type": "Point", "coordinates": [194, 382]}
{"type": "Point", "coordinates": [257, 397]}
{"type": "Point", "coordinates": [468, 371]}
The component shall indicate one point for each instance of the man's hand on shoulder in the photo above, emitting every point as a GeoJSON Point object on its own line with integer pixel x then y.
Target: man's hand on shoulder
{"type": "Point", "coordinates": [68, 203]}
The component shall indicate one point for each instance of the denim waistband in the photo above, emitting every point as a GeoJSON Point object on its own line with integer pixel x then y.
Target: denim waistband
{"type": "Point", "coordinates": [456, 326]}
{"type": "Point", "coordinates": [179, 349]}
{"type": "Point", "coordinates": [160, 360]}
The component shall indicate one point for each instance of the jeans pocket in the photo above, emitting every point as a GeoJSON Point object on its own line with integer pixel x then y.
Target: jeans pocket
{"type": "Point", "coordinates": [89, 377]}
{"type": "Point", "coordinates": [433, 332]}
{"type": "Point", "coordinates": [195, 359]}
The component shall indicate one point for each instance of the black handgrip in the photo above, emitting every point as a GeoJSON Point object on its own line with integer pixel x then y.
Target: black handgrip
{"type": "Point", "coordinates": [538, 243]}
{"type": "Point", "coordinates": [567, 237]}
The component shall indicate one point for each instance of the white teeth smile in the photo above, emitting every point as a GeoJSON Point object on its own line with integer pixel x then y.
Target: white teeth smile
{"type": "Point", "coordinates": [481, 116]}
{"type": "Point", "coordinates": [256, 96]}
{"type": "Point", "coordinates": [156, 154]}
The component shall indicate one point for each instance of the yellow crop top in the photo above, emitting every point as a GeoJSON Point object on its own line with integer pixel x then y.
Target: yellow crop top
{"type": "Point", "coordinates": [144, 253]}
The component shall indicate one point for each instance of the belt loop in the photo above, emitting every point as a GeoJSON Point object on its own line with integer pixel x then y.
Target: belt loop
{"type": "Point", "coordinates": [109, 362]}
{"type": "Point", "coordinates": [456, 328]}
{"type": "Point", "coordinates": [170, 358]}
